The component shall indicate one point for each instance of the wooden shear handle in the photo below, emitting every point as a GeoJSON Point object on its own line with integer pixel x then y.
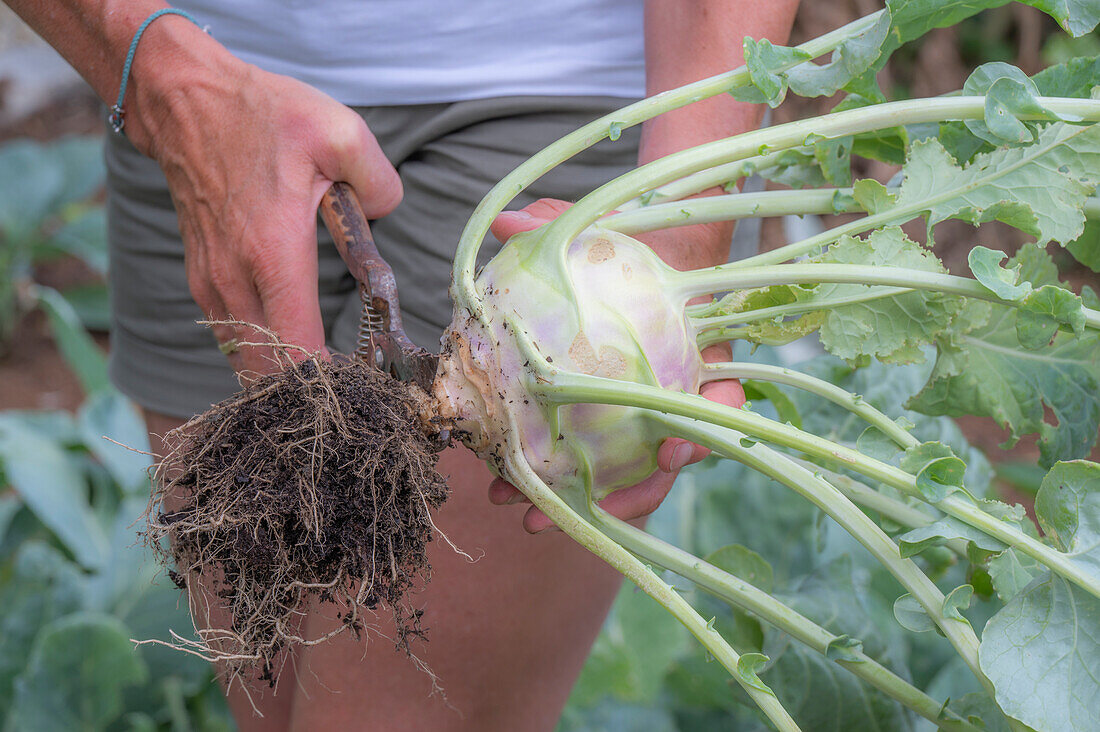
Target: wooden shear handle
{"type": "Point", "coordinates": [345, 220]}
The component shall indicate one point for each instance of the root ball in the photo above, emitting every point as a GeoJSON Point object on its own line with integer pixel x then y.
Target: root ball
{"type": "Point", "coordinates": [312, 485]}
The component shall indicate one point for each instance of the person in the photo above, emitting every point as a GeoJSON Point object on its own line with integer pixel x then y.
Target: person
{"type": "Point", "coordinates": [230, 139]}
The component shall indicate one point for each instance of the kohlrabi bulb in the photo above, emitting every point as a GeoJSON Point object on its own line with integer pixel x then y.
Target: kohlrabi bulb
{"type": "Point", "coordinates": [612, 311]}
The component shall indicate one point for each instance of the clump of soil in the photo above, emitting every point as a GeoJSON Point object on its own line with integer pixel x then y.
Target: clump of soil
{"type": "Point", "coordinates": [314, 484]}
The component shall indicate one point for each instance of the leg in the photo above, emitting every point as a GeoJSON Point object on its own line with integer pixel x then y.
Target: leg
{"type": "Point", "coordinates": [507, 634]}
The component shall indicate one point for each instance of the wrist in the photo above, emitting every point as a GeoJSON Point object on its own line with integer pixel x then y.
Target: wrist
{"type": "Point", "coordinates": [175, 62]}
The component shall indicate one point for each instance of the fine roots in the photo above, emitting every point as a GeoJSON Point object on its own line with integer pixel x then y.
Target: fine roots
{"type": "Point", "coordinates": [311, 486]}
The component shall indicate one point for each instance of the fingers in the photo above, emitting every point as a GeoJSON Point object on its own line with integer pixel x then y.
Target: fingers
{"type": "Point", "coordinates": [509, 223]}
{"type": "Point", "coordinates": [503, 493]}
{"type": "Point", "coordinates": [628, 503]}
{"type": "Point", "coordinates": [224, 292]}
{"type": "Point", "coordinates": [675, 453]}
{"type": "Point", "coordinates": [352, 154]}
{"type": "Point", "coordinates": [287, 284]}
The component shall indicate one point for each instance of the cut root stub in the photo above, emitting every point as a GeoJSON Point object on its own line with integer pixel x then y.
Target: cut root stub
{"type": "Point", "coordinates": [314, 485]}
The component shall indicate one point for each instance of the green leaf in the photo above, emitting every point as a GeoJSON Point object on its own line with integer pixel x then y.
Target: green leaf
{"type": "Point", "coordinates": [771, 332]}
{"type": "Point", "coordinates": [50, 485]}
{"type": "Point", "coordinates": [44, 585]}
{"type": "Point", "coordinates": [696, 684]}
{"type": "Point", "coordinates": [80, 351]}
{"type": "Point", "coordinates": [747, 667]}
{"type": "Point", "coordinates": [985, 371]}
{"type": "Point", "coordinates": [856, 61]}
{"type": "Point", "coordinates": [9, 506]}
{"type": "Point", "coordinates": [872, 196]}
{"type": "Point", "coordinates": [1077, 17]}
{"type": "Point", "coordinates": [911, 615]}
{"type": "Point", "coordinates": [890, 328]}
{"type": "Point", "coordinates": [913, 18]}
{"type": "Point", "coordinates": [822, 696]}
{"type": "Point", "coordinates": [611, 714]}
{"type": "Point", "coordinates": [743, 630]}
{"type": "Point", "coordinates": [957, 600]}
{"type": "Point", "coordinates": [854, 56]}
{"type": "Point", "coordinates": [743, 563]}
{"type": "Point", "coordinates": [81, 162]}
{"type": "Point", "coordinates": [961, 144]}
{"type": "Point", "coordinates": [31, 183]}
{"type": "Point", "coordinates": [797, 168]}
{"type": "Point", "coordinates": [92, 305]}
{"type": "Point", "coordinates": [85, 237]}
{"type": "Point", "coordinates": [632, 657]}
{"type": "Point", "coordinates": [765, 63]}
{"type": "Point", "coordinates": [1068, 508]}
{"type": "Point", "coordinates": [1086, 248]}
{"type": "Point", "coordinates": [76, 674]}
{"type": "Point", "coordinates": [1039, 188]}
{"type": "Point", "coordinates": [1009, 95]}
{"type": "Point", "coordinates": [1011, 572]}
{"type": "Point", "coordinates": [834, 155]}
{"type": "Point", "coordinates": [108, 414]}
{"type": "Point", "coordinates": [939, 471]}
{"type": "Point", "coordinates": [1040, 652]}
{"type": "Point", "coordinates": [874, 443]}
{"type": "Point", "coordinates": [1044, 311]}
{"type": "Point", "coordinates": [978, 709]}
{"type": "Point", "coordinates": [1074, 78]}
{"type": "Point", "coordinates": [784, 407]}
{"type": "Point", "coordinates": [985, 264]}
{"type": "Point", "coordinates": [940, 532]}
{"type": "Point", "coordinates": [844, 648]}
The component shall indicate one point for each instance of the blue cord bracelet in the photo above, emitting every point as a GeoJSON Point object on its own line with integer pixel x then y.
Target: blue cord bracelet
{"type": "Point", "coordinates": [117, 117]}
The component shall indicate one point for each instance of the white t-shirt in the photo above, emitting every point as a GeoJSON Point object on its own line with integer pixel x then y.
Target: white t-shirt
{"type": "Point", "coordinates": [380, 52]}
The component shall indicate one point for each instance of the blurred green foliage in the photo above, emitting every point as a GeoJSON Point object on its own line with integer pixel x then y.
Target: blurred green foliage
{"type": "Point", "coordinates": [76, 587]}
{"type": "Point", "coordinates": [48, 208]}
{"type": "Point", "coordinates": [646, 673]}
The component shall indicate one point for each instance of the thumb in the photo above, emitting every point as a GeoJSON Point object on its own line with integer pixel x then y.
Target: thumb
{"type": "Point", "coordinates": [509, 223]}
{"type": "Point", "coordinates": [355, 158]}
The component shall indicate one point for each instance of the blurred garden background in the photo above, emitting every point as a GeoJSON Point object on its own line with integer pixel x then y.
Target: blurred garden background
{"type": "Point", "coordinates": [75, 588]}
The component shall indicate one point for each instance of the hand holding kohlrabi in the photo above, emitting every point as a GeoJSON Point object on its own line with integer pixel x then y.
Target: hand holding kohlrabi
{"type": "Point", "coordinates": [640, 498]}
{"type": "Point", "coordinates": [576, 352]}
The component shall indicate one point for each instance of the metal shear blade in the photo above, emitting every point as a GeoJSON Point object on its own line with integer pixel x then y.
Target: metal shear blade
{"type": "Point", "coordinates": [382, 340]}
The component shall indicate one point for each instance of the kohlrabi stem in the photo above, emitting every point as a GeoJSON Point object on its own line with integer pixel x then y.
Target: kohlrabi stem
{"type": "Point", "coordinates": [564, 387]}
{"type": "Point", "coordinates": [705, 324]}
{"type": "Point", "coordinates": [741, 594]}
{"type": "Point", "coordinates": [838, 124]}
{"type": "Point", "coordinates": [1060, 563]}
{"type": "Point", "coordinates": [719, 175]}
{"type": "Point", "coordinates": [584, 533]}
{"type": "Point", "coordinates": [730, 208]}
{"type": "Point", "coordinates": [841, 397]}
{"type": "Point", "coordinates": [891, 508]}
{"type": "Point", "coordinates": [817, 490]}
{"type": "Point", "coordinates": [556, 153]}
{"type": "Point", "coordinates": [723, 335]}
{"type": "Point", "coordinates": [734, 277]}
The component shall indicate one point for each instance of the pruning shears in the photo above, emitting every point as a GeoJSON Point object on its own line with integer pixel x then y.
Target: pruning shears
{"type": "Point", "coordinates": [382, 341]}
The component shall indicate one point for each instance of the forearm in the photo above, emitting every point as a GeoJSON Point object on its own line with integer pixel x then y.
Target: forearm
{"type": "Point", "coordinates": [94, 36]}
{"type": "Point", "coordinates": [685, 42]}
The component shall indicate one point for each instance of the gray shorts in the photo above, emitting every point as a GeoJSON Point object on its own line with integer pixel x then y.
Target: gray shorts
{"type": "Point", "coordinates": [448, 156]}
